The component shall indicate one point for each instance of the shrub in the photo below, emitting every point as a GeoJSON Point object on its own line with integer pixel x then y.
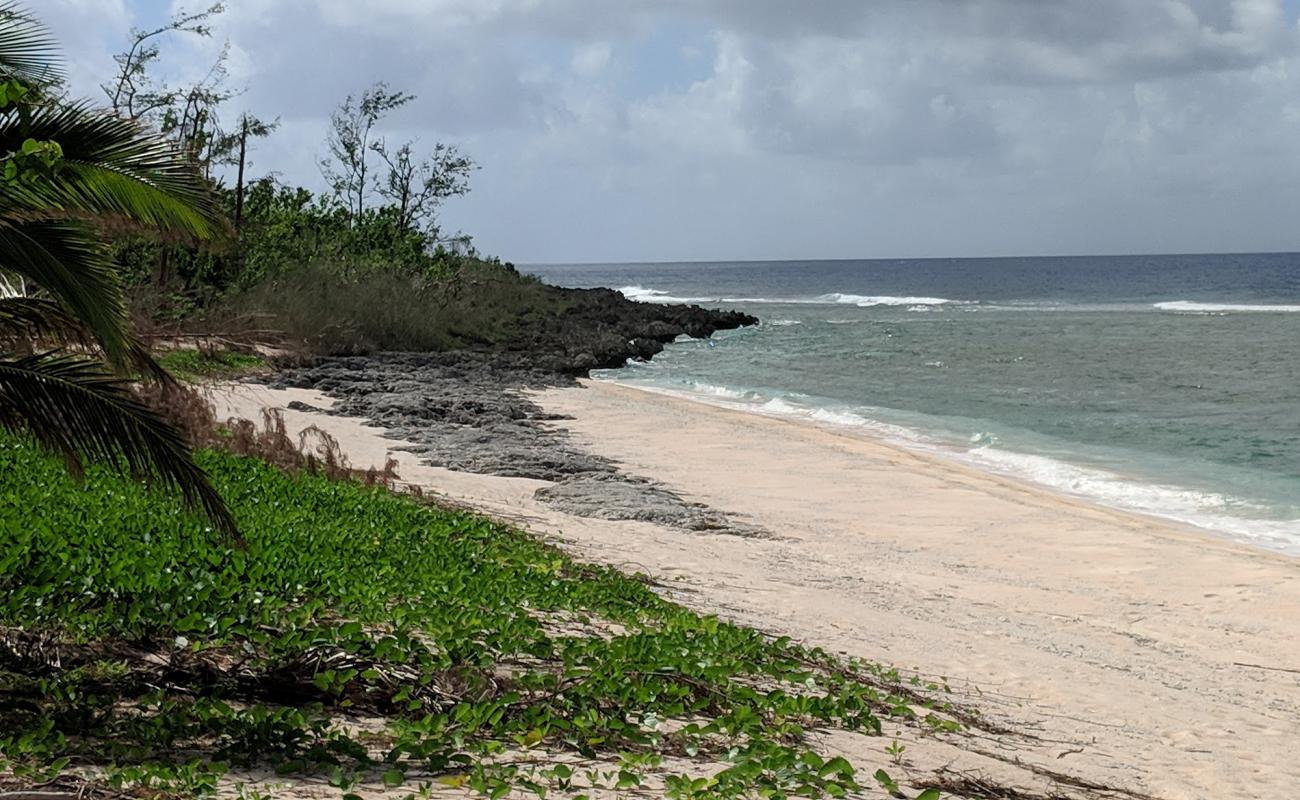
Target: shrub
{"type": "Point", "coordinates": [329, 311]}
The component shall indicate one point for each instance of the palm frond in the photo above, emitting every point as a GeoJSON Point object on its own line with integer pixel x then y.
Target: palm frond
{"type": "Point", "coordinates": [66, 260]}
{"type": "Point", "coordinates": [28, 52]}
{"type": "Point", "coordinates": [110, 167]}
{"type": "Point", "coordinates": [28, 322]}
{"type": "Point", "coordinates": [73, 407]}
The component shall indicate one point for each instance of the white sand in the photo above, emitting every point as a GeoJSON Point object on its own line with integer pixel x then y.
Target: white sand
{"type": "Point", "coordinates": [1118, 636]}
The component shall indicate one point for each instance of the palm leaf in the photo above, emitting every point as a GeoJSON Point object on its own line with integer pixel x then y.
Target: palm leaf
{"type": "Point", "coordinates": [27, 51]}
{"type": "Point", "coordinates": [66, 260]}
{"type": "Point", "coordinates": [110, 167]}
{"type": "Point", "coordinates": [28, 321]}
{"type": "Point", "coordinates": [72, 406]}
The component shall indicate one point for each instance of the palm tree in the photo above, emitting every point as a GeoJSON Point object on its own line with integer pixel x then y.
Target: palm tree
{"type": "Point", "coordinates": [67, 348]}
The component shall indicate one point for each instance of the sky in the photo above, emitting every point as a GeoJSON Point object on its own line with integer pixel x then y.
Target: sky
{"type": "Point", "coordinates": [662, 130]}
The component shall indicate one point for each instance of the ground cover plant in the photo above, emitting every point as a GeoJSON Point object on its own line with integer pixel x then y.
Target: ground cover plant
{"type": "Point", "coordinates": [375, 639]}
{"type": "Point", "coordinates": [193, 365]}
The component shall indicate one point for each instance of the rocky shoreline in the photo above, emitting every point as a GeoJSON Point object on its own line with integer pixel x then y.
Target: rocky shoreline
{"type": "Point", "coordinates": [468, 410]}
{"type": "Point", "coordinates": [579, 330]}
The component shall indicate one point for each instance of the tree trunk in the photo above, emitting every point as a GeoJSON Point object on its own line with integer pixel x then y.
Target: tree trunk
{"type": "Point", "coordinates": [239, 183]}
{"type": "Point", "coordinates": [164, 266]}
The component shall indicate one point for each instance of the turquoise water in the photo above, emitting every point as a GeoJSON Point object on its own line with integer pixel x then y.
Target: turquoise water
{"type": "Point", "coordinates": [1165, 385]}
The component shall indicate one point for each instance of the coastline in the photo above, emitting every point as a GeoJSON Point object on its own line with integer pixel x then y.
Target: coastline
{"type": "Point", "coordinates": [918, 443]}
{"type": "Point", "coordinates": [1119, 638]}
{"type": "Point", "coordinates": [1123, 629]}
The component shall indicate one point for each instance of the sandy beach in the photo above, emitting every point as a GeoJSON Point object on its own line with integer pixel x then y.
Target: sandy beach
{"type": "Point", "coordinates": [1138, 653]}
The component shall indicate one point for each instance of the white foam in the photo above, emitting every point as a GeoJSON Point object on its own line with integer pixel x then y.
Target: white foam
{"type": "Point", "coordinates": [866, 301]}
{"type": "Point", "coordinates": [721, 391]}
{"type": "Point", "coordinates": [1190, 306]}
{"type": "Point", "coordinates": [778, 406]}
{"type": "Point", "coordinates": [643, 294]}
{"type": "Point", "coordinates": [646, 294]}
{"type": "Point", "coordinates": [640, 293]}
{"type": "Point", "coordinates": [1208, 510]}
{"type": "Point", "coordinates": [923, 304]}
{"type": "Point", "coordinates": [1204, 509]}
{"type": "Point", "coordinates": [844, 419]}
{"type": "Point", "coordinates": [783, 323]}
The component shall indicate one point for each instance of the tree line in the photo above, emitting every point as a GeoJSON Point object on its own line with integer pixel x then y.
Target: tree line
{"type": "Point", "coordinates": [379, 208]}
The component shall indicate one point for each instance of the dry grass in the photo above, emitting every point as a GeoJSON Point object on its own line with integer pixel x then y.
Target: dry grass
{"type": "Point", "coordinates": [312, 451]}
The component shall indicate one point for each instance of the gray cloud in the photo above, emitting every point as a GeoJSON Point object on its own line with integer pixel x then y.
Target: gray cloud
{"type": "Point", "coordinates": [833, 129]}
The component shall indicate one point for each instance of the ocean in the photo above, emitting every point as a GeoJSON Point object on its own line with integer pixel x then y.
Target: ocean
{"type": "Point", "coordinates": [1167, 385]}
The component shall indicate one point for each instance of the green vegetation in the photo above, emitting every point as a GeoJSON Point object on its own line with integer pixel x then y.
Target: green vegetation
{"type": "Point", "coordinates": [314, 309]}
{"type": "Point", "coordinates": [371, 638]}
{"type": "Point", "coordinates": [68, 171]}
{"type": "Point", "coordinates": [363, 265]}
{"type": "Point", "coordinates": [200, 365]}
{"type": "Point", "coordinates": [377, 639]}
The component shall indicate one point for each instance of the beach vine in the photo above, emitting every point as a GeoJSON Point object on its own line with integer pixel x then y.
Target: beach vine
{"type": "Point", "coordinates": [380, 642]}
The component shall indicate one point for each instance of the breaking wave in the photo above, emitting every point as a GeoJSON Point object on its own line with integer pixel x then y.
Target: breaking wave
{"type": "Point", "coordinates": [985, 451]}
{"type": "Point", "coordinates": [645, 294]}
{"type": "Point", "coordinates": [1193, 307]}
{"type": "Point", "coordinates": [866, 301]}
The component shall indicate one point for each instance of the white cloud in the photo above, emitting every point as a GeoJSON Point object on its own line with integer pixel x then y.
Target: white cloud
{"type": "Point", "coordinates": [89, 31]}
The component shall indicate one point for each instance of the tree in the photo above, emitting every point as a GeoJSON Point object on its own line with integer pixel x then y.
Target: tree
{"type": "Point", "coordinates": [192, 118]}
{"type": "Point", "coordinates": [133, 93]}
{"type": "Point", "coordinates": [67, 168]}
{"type": "Point", "coordinates": [349, 142]}
{"type": "Point", "coordinates": [189, 115]}
{"type": "Point", "coordinates": [417, 189]}
{"type": "Point", "coordinates": [236, 144]}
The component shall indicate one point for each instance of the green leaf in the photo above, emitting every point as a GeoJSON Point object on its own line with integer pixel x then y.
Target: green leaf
{"type": "Point", "coordinates": [73, 407]}
{"type": "Point", "coordinates": [887, 782]}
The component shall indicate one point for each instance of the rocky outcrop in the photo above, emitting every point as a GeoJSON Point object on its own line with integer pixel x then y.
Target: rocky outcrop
{"type": "Point", "coordinates": [601, 329]}
{"type": "Point", "coordinates": [468, 411]}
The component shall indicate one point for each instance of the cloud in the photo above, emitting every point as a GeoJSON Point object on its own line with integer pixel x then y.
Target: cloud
{"type": "Point", "coordinates": [89, 32]}
{"type": "Point", "coordinates": [639, 129]}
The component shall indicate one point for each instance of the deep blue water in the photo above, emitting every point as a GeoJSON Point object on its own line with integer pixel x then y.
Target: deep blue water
{"type": "Point", "coordinates": [1164, 384]}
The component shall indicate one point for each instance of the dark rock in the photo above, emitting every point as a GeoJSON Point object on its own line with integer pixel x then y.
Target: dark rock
{"type": "Point", "coordinates": [466, 410]}
{"type": "Point", "coordinates": [602, 329]}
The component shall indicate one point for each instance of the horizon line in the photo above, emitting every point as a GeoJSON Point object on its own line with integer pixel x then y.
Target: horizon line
{"type": "Point", "coordinates": [898, 258]}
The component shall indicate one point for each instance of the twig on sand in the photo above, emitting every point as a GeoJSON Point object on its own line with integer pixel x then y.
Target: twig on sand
{"type": "Point", "coordinates": [1270, 669]}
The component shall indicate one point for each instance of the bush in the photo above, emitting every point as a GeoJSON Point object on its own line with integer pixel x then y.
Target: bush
{"type": "Point", "coordinates": [329, 309]}
{"type": "Point", "coordinates": [283, 229]}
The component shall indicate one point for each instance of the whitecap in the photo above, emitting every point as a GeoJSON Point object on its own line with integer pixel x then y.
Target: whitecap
{"type": "Point", "coordinates": [1193, 307]}
{"type": "Point", "coordinates": [643, 294]}
{"type": "Point", "coordinates": [640, 293]}
{"type": "Point", "coordinates": [865, 301]}
{"type": "Point", "coordinates": [721, 391]}
{"type": "Point", "coordinates": [778, 406]}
